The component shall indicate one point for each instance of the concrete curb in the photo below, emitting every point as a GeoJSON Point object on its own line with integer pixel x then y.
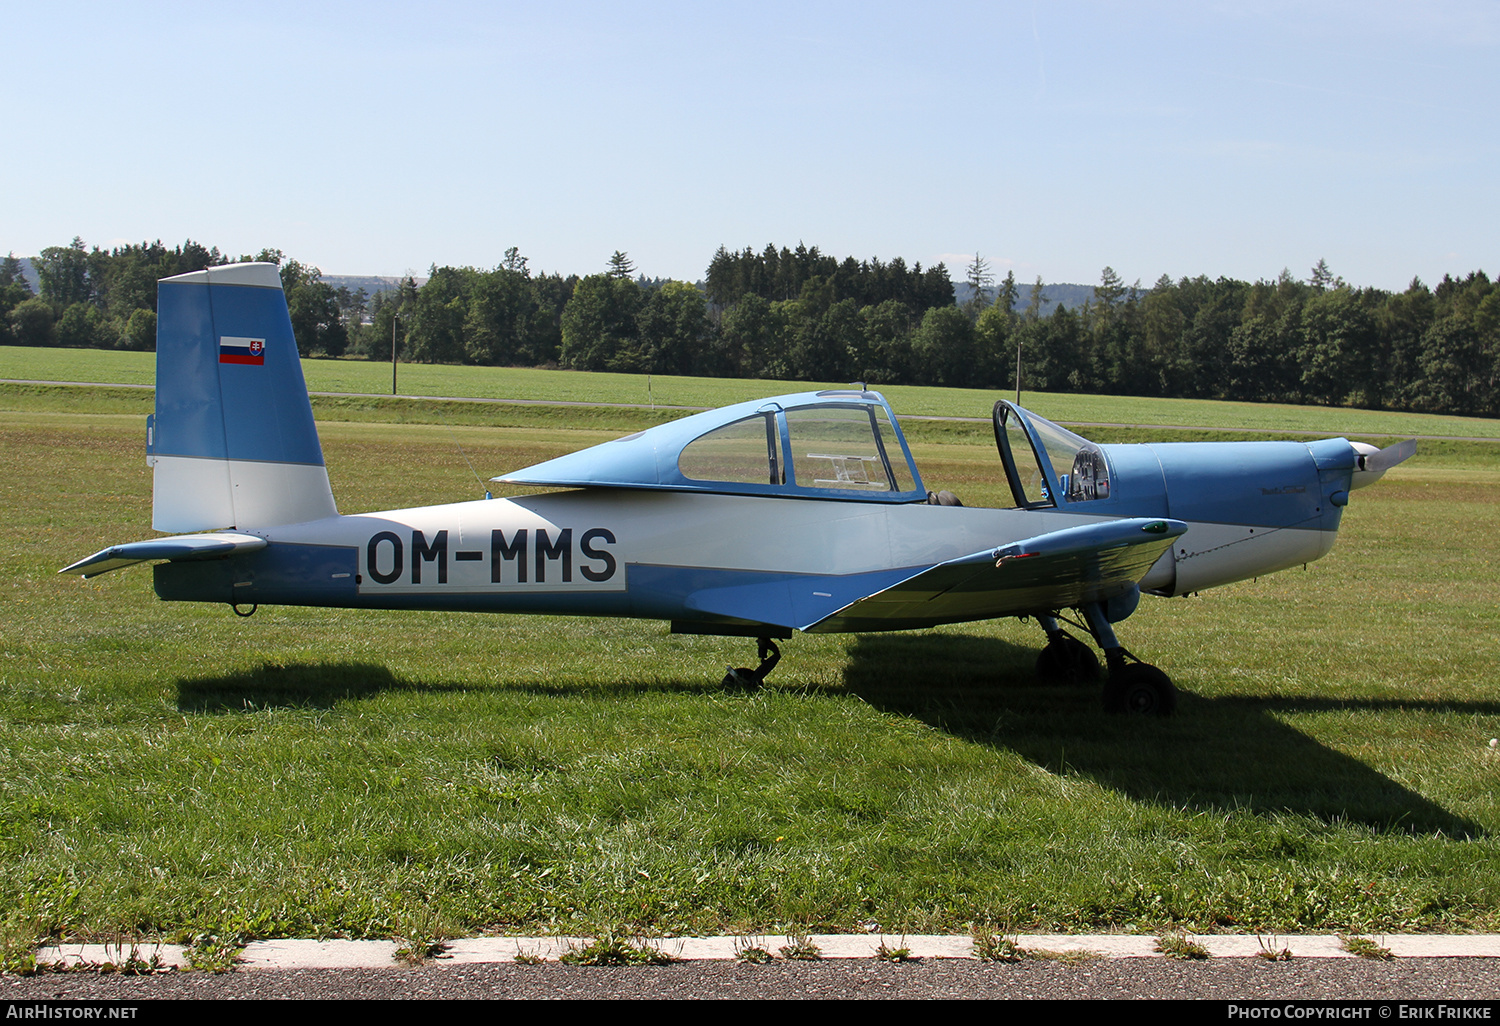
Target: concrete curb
{"type": "Point", "coordinates": [376, 954]}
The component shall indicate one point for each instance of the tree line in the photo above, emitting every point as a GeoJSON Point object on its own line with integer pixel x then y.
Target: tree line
{"type": "Point", "coordinates": [799, 314]}
{"type": "Point", "coordinates": [106, 299]}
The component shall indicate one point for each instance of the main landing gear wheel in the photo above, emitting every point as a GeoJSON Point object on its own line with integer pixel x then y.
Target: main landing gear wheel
{"type": "Point", "coordinates": [1066, 660]}
{"type": "Point", "coordinates": [1140, 689]}
{"type": "Point", "coordinates": [743, 678]}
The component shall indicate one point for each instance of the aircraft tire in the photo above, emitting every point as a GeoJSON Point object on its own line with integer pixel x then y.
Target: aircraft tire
{"type": "Point", "coordinates": [742, 679]}
{"type": "Point", "coordinates": [1140, 689]}
{"type": "Point", "coordinates": [1067, 661]}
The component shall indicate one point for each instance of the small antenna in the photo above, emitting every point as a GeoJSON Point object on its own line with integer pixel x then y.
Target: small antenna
{"type": "Point", "coordinates": [454, 435]}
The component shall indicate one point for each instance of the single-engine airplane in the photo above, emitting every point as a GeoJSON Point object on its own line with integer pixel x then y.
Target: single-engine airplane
{"type": "Point", "coordinates": [796, 513]}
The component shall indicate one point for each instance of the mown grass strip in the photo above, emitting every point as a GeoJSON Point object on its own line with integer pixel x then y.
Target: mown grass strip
{"type": "Point", "coordinates": [183, 772]}
{"type": "Point", "coordinates": [358, 376]}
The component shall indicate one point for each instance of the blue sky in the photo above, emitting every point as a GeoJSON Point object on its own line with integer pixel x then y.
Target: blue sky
{"type": "Point", "coordinates": [1054, 138]}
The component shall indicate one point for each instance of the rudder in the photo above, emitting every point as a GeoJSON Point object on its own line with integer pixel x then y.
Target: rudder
{"type": "Point", "coordinates": [233, 440]}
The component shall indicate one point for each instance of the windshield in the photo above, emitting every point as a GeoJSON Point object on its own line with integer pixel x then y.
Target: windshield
{"type": "Point", "coordinates": [1081, 471]}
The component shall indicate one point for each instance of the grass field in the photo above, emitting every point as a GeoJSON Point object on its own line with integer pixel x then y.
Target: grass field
{"type": "Point", "coordinates": [176, 770]}
{"type": "Point", "coordinates": [358, 376]}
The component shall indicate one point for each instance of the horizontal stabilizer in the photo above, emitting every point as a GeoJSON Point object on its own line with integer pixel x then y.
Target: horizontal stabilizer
{"type": "Point", "coordinates": [1057, 570]}
{"type": "Point", "coordinates": [181, 547]}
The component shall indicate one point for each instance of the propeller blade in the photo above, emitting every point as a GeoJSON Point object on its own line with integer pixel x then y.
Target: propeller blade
{"type": "Point", "coordinates": [1390, 456]}
{"type": "Point", "coordinates": [1371, 463]}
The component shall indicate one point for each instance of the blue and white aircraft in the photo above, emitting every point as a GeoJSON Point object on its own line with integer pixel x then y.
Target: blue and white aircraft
{"type": "Point", "coordinates": [796, 513]}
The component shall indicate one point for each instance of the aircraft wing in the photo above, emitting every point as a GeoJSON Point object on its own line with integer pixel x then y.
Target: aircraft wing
{"type": "Point", "coordinates": [1051, 571]}
{"type": "Point", "coordinates": [178, 547]}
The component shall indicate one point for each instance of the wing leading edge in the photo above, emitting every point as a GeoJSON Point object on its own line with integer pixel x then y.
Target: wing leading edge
{"type": "Point", "coordinates": [1057, 570]}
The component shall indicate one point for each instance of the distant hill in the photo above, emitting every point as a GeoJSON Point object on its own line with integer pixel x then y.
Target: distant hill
{"type": "Point", "coordinates": [371, 283]}
{"type": "Point", "coordinates": [29, 273]}
{"type": "Point", "coordinates": [1057, 294]}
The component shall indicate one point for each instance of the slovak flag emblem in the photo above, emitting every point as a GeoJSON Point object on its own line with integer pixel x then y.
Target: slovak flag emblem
{"type": "Point", "coordinates": [251, 351]}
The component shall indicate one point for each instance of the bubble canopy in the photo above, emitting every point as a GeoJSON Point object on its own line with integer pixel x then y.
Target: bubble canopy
{"type": "Point", "coordinates": [841, 444]}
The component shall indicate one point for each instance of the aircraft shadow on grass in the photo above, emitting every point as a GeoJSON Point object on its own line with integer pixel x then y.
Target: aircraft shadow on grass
{"type": "Point", "coordinates": [1228, 753]}
{"type": "Point", "coordinates": [315, 685]}
{"type": "Point", "coordinates": [294, 685]}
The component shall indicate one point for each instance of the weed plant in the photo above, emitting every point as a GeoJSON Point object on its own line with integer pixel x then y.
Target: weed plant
{"type": "Point", "coordinates": [990, 947]}
{"type": "Point", "coordinates": [1364, 947]}
{"type": "Point", "coordinates": [1176, 945]}
{"type": "Point", "coordinates": [752, 952]}
{"type": "Point", "coordinates": [799, 948]}
{"type": "Point", "coordinates": [1271, 952]}
{"type": "Point", "coordinates": [211, 954]}
{"type": "Point", "coordinates": [612, 949]}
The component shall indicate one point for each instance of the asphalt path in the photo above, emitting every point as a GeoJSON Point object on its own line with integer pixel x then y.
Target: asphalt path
{"type": "Point", "coordinates": [1220, 979]}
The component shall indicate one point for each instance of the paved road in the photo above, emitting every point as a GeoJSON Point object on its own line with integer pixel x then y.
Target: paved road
{"type": "Point", "coordinates": [1466, 979]}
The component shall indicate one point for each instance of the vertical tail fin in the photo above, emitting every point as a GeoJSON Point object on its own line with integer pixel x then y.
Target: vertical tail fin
{"type": "Point", "coordinates": [233, 439]}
